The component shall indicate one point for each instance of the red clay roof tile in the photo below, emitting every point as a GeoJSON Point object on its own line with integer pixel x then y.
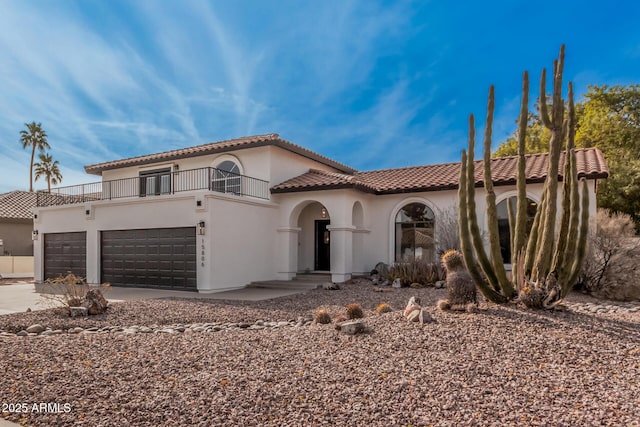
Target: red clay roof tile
{"type": "Point", "coordinates": [218, 147]}
{"type": "Point", "coordinates": [590, 164]}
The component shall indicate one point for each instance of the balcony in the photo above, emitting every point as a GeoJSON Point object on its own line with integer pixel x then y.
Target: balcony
{"type": "Point", "coordinates": [158, 183]}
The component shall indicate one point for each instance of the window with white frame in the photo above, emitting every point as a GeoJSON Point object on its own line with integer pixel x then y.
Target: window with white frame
{"type": "Point", "coordinates": [226, 178]}
{"type": "Point", "coordinates": [414, 233]}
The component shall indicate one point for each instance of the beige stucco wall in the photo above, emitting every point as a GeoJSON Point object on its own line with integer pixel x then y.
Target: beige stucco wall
{"type": "Point", "coordinates": [16, 237]}
{"type": "Point", "coordinates": [16, 265]}
{"type": "Point", "coordinates": [237, 242]}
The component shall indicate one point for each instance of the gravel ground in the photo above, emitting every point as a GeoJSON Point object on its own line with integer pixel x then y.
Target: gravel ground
{"type": "Point", "coordinates": [501, 366]}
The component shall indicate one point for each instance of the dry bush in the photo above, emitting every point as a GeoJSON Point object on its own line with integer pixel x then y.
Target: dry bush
{"type": "Point", "coordinates": [416, 271]}
{"type": "Point", "coordinates": [68, 291]}
{"type": "Point", "coordinates": [610, 269]}
{"type": "Point", "coordinates": [448, 230]}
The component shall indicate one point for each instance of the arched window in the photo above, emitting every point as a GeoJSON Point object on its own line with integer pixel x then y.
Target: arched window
{"type": "Point", "coordinates": [227, 178]}
{"type": "Point", "coordinates": [503, 224]}
{"type": "Point", "coordinates": [415, 233]}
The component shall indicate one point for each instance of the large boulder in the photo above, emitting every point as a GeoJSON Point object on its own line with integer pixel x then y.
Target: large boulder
{"type": "Point", "coordinates": [94, 302]}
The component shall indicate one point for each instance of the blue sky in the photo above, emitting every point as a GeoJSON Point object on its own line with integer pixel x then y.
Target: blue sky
{"type": "Point", "coordinates": [371, 84]}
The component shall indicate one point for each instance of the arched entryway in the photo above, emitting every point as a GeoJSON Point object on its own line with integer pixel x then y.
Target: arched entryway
{"type": "Point", "coordinates": [314, 238]}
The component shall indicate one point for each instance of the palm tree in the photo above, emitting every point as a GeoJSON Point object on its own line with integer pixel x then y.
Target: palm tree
{"type": "Point", "coordinates": [48, 168]}
{"type": "Point", "coordinates": [34, 137]}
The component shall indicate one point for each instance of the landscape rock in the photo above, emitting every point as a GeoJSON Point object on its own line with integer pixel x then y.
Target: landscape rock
{"type": "Point", "coordinates": [397, 283]}
{"type": "Point", "coordinates": [352, 327]}
{"type": "Point", "coordinates": [330, 286]}
{"type": "Point", "coordinates": [414, 315]}
{"type": "Point", "coordinates": [78, 311]}
{"type": "Point", "coordinates": [413, 304]}
{"type": "Point", "coordinates": [95, 302]}
{"type": "Point", "coordinates": [440, 284]}
{"type": "Point", "coordinates": [35, 329]}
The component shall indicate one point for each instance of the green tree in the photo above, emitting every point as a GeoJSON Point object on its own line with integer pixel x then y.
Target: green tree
{"type": "Point", "coordinates": [48, 168]}
{"type": "Point", "coordinates": [34, 137]}
{"type": "Point", "coordinates": [608, 117]}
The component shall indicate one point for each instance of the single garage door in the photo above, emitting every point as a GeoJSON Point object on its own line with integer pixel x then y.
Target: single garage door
{"type": "Point", "coordinates": [151, 258]}
{"type": "Point", "coordinates": [64, 253]}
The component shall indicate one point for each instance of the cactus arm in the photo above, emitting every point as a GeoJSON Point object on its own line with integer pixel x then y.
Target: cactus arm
{"type": "Point", "coordinates": [511, 215]}
{"type": "Point", "coordinates": [492, 211]}
{"type": "Point", "coordinates": [474, 229]}
{"type": "Point", "coordinates": [519, 235]}
{"type": "Point", "coordinates": [581, 249]}
{"type": "Point", "coordinates": [465, 239]}
{"type": "Point", "coordinates": [542, 101]}
{"type": "Point", "coordinates": [567, 182]}
{"type": "Point", "coordinates": [532, 243]}
{"type": "Point", "coordinates": [542, 262]}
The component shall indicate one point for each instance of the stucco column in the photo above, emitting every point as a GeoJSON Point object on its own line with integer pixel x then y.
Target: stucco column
{"type": "Point", "coordinates": [93, 255]}
{"type": "Point", "coordinates": [287, 252]}
{"type": "Point", "coordinates": [341, 252]}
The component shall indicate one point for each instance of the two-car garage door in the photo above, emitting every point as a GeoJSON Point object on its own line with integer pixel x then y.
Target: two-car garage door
{"type": "Point", "coordinates": [151, 258]}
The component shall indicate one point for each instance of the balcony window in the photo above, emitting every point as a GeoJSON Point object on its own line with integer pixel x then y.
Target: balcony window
{"type": "Point", "coordinates": [155, 182]}
{"type": "Point", "coordinates": [226, 178]}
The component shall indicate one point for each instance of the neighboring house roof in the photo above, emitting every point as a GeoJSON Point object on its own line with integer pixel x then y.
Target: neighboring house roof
{"type": "Point", "coordinates": [590, 164]}
{"type": "Point", "coordinates": [219, 147]}
{"type": "Point", "coordinates": [17, 204]}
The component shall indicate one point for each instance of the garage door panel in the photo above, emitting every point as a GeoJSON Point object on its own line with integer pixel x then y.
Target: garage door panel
{"type": "Point", "coordinates": [64, 253]}
{"type": "Point", "coordinates": [159, 258]}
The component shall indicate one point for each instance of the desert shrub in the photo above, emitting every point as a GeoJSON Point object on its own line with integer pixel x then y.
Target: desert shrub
{"type": "Point", "coordinates": [448, 230]}
{"type": "Point", "coordinates": [68, 291]}
{"type": "Point", "coordinates": [416, 271]}
{"type": "Point", "coordinates": [610, 269]}
{"type": "Point", "coordinates": [322, 316]}
{"type": "Point", "coordinates": [354, 311]}
{"type": "Point", "coordinates": [383, 308]}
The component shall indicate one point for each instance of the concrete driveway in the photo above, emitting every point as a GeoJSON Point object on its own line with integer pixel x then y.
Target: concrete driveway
{"type": "Point", "coordinates": [20, 296]}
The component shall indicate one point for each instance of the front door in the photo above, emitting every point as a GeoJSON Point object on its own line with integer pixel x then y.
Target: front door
{"type": "Point", "coordinates": [323, 237]}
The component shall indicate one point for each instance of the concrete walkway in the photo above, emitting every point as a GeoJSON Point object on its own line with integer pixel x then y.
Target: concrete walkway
{"type": "Point", "coordinates": [21, 296]}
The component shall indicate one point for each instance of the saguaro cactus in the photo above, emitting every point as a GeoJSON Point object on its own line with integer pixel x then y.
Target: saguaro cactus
{"type": "Point", "coordinates": [546, 263]}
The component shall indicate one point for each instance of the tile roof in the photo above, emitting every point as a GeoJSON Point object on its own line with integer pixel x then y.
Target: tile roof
{"type": "Point", "coordinates": [590, 163]}
{"type": "Point", "coordinates": [17, 204]}
{"type": "Point", "coordinates": [219, 147]}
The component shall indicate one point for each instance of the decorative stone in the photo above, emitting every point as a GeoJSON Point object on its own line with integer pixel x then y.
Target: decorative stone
{"type": "Point", "coordinates": [330, 286]}
{"type": "Point", "coordinates": [78, 311]}
{"type": "Point", "coordinates": [95, 302]}
{"type": "Point", "coordinates": [22, 333]}
{"type": "Point", "coordinates": [35, 329]}
{"type": "Point", "coordinates": [397, 283]}
{"type": "Point", "coordinates": [414, 315]}
{"type": "Point", "coordinates": [440, 284]}
{"type": "Point", "coordinates": [413, 304]}
{"type": "Point", "coordinates": [424, 317]}
{"type": "Point", "coordinates": [352, 327]}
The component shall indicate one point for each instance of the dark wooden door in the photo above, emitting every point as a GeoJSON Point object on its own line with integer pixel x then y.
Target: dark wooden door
{"type": "Point", "coordinates": [323, 244]}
